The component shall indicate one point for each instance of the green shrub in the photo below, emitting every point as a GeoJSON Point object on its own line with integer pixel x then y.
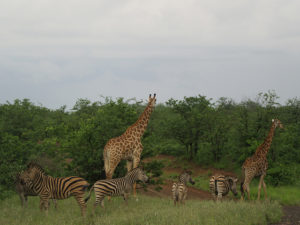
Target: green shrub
{"type": "Point", "coordinates": [282, 174]}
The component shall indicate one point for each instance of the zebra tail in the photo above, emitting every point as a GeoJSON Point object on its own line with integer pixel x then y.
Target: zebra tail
{"type": "Point", "coordinates": [88, 197]}
{"type": "Point", "coordinates": [216, 187]}
{"type": "Point", "coordinates": [242, 189]}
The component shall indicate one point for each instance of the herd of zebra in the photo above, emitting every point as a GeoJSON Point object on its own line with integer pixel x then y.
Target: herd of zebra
{"type": "Point", "coordinates": [33, 181]}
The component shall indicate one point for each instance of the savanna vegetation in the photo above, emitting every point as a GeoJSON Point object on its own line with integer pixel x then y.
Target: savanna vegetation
{"type": "Point", "coordinates": [148, 211]}
{"type": "Point", "coordinates": [213, 134]}
{"type": "Point", "coordinates": [220, 134]}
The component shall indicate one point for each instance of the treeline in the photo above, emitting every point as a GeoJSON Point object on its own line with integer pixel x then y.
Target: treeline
{"type": "Point", "coordinates": [221, 134]}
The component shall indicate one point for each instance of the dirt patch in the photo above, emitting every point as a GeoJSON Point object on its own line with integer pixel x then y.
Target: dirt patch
{"type": "Point", "coordinates": [175, 165]}
{"type": "Point", "coordinates": [166, 192]}
{"type": "Point", "coordinates": [291, 216]}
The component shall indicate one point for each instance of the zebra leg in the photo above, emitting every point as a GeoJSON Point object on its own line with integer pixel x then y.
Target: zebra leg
{"type": "Point", "coordinates": [175, 198]}
{"type": "Point", "coordinates": [22, 198]}
{"type": "Point", "coordinates": [55, 203]}
{"type": "Point", "coordinates": [44, 204]}
{"type": "Point", "coordinates": [79, 198]}
{"type": "Point", "coordinates": [125, 196]}
{"type": "Point", "coordinates": [26, 202]}
{"type": "Point", "coordinates": [98, 200]}
{"type": "Point", "coordinates": [219, 197]}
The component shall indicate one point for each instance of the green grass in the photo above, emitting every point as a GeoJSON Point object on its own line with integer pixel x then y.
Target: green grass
{"type": "Point", "coordinates": [146, 211]}
{"type": "Point", "coordinates": [286, 195]}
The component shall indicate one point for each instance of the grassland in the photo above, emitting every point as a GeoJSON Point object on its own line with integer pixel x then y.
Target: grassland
{"type": "Point", "coordinates": [146, 211]}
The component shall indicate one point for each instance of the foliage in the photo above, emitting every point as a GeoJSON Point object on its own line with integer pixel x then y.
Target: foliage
{"type": "Point", "coordinates": [220, 134]}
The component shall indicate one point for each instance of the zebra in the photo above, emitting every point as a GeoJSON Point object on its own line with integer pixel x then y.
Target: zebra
{"type": "Point", "coordinates": [179, 189]}
{"type": "Point", "coordinates": [48, 187]}
{"type": "Point", "coordinates": [24, 190]}
{"type": "Point", "coordinates": [116, 187]}
{"type": "Point", "coordinates": [220, 185]}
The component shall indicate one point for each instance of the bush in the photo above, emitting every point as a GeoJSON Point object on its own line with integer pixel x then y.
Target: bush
{"type": "Point", "coordinates": [282, 174]}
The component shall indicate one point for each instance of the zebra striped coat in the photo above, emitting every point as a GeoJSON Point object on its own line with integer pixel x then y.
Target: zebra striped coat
{"type": "Point", "coordinates": [179, 189]}
{"type": "Point", "coordinates": [116, 187]}
{"type": "Point", "coordinates": [49, 187]}
{"type": "Point", "coordinates": [220, 185]}
{"type": "Point", "coordinates": [24, 190]}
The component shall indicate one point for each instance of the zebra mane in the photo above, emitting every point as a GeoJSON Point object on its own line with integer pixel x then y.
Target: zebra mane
{"type": "Point", "coordinates": [35, 165]}
{"type": "Point", "coordinates": [132, 171]}
{"type": "Point", "coordinates": [187, 171]}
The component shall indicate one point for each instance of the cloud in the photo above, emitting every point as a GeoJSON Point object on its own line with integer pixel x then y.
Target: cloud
{"type": "Point", "coordinates": [54, 51]}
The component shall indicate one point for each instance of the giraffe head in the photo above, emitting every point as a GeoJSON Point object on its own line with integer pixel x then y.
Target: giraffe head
{"type": "Point", "coordinates": [151, 100]}
{"type": "Point", "coordinates": [277, 123]}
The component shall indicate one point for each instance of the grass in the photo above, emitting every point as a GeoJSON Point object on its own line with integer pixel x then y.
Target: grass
{"type": "Point", "coordinates": [146, 211]}
{"type": "Point", "coordinates": [286, 195]}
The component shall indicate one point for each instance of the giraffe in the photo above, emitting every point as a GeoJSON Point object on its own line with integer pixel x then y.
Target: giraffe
{"type": "Point", "coordinates": [257, 164]}
{"type": "Point", "coordinates": [128, 146]}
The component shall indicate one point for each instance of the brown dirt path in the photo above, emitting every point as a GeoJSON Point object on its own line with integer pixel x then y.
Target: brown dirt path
{"type": "Point", "coordinates": [291, 216]}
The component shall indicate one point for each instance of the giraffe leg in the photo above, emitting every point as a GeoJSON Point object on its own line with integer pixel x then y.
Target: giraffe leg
{"type": "Point", "coordinates": [109, 175]}
{"type": "Point", "coordinates": [261, 180]}
{"type": "Point", "coordinates": [246, 188]}
{"type": "Point", "coordinates": [265, 189]}
{"type": "Point", "coordinates": [136, 161]}
{"type": "Point", "coordinates": [129, 165]}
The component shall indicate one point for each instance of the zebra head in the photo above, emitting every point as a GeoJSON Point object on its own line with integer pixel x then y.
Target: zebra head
{"type": "Point", "coordinates": [140, 175]}
{"type": "Point", "coordinates": [25, 178]}
{"type": "Point", "coordinates": [28, 176]}
{"type": "Point", "coordinates": [186, 177]}
{"type": "Point", "coordinates": [232, 184]}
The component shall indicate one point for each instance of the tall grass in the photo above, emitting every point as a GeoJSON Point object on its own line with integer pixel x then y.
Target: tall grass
{"type": "Point", "coordinates": [286, 195]}
{"type": "Point", "coordinates": [146, 211]}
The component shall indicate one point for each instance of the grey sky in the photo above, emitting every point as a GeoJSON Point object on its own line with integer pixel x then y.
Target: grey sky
{"type": "Point", "coordinates": [54, 52]}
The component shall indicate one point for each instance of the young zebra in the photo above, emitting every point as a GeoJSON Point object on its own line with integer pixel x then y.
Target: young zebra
{"type": "Point", "coordinates": [179, 189]}
{"type": "Point", "coordinates": [49, 187]}
{"type": "Point", "coordinates": [24, 190]}
{"type": "Point", "coordinates": [220, 185]}
{"type": "Point", "coordinates": [116, 187]}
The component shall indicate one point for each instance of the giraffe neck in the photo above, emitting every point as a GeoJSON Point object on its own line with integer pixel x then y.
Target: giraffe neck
{"type": "Point", "coordinates": [139, 127]}
{"type": "Point", "coordinates": [265, 146]}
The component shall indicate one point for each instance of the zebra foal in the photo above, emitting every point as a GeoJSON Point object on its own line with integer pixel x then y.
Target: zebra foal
{"type": "Point", "coordinates": [116, 187]}
{"type": "Point", "coordinates": [48, 187]}
{"type": "Point", "coordinates": [220, 185]}
{"type": "Point", "coordinates": [179, 189]}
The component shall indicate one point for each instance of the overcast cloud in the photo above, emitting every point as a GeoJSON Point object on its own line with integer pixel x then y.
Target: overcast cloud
{"type": "Point", "coordinates": [54, 52]}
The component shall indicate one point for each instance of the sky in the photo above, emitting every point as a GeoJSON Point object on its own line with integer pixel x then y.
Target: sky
{"type": "Point", "coordinates": [55, 52]}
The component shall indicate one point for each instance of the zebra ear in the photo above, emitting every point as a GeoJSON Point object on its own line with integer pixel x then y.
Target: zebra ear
{"type": "Point", "coordinates": [230, 180]}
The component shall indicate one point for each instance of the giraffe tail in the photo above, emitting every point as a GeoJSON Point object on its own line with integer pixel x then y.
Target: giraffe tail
{"type": "Point", "coordinates": [106, 160]}
{"type": "Point", "coordinates": [242, 182]}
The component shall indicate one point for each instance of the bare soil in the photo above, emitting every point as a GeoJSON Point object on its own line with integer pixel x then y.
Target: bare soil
{"type": "Point", "coordinates": [291, 216]}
